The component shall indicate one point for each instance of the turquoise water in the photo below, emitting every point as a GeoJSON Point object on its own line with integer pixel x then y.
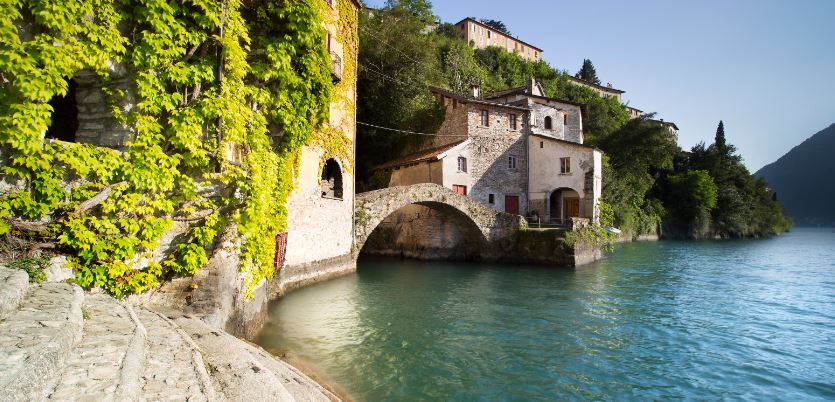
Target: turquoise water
{"type": "Point", "coordinates": [731, 320]}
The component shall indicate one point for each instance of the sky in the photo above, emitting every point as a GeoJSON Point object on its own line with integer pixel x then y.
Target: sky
{"type": "Point", "coordinates": [764, 67]}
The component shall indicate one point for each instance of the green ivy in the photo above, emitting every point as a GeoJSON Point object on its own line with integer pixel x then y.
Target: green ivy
{"type": "Point", "coordinates": [209, 78]}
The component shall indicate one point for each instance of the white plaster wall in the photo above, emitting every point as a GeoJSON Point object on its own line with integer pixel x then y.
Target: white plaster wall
{"type": "Point", "coordinates": [451, 174]}
{"type": "Point", "coordinates": [545, 174]}
{"type": "Point", "coordinates": [318, 228]}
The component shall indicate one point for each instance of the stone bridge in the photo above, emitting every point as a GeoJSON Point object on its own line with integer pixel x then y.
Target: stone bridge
{"type": "Point", "coordinates": [373, 207]}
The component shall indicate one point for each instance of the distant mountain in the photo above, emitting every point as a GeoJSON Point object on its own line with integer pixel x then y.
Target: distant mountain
{"type": "Point", "coordinates": [804, 180]}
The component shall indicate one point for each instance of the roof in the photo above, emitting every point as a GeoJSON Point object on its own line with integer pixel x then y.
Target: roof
{"type": "Point", "coordinates": [499, 32]}
{"type": "Point", "coordinates": [666, 123]}
{"type": "Point", "coordinates": [563, 141]}
{"type": "Point", "coordinates": [426, 155]}
{"type": "Point", "coordinates": [633, 108]}
{"type": "Point", "coordinates": [591, 84]}
{"type": "Point", "coordinates": [464, 98]}
{"type": "Point", "coordinates": [523, 91]}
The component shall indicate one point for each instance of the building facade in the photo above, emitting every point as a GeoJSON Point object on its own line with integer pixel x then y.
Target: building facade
{"type": "Point", "coordinates": [605, 91]}
{"type": "Point", "coordinates": [482, 36]}
{"type": "Point", "coordinates": [515, 151]}
{"type": "Point", "coordinates": [320, 209]}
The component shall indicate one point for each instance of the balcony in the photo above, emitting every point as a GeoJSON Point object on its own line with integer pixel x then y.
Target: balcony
{"type": "Point", "coordinates": [336, 67]}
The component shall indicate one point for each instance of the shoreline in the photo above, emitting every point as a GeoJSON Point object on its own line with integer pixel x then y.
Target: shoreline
{"type": "Point", "coordinates": [310, 369]}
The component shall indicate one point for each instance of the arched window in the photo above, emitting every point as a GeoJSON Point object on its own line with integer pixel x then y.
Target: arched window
{"type": "Point", "coordinates": [331, 182]}
{"type": "Point", "coordinates": [548, 123]}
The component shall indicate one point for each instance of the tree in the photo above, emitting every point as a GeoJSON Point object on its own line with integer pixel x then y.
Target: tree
{"type": "Point", "coordinates": [420, 9]}
{"type": "Point", "coordinates": [588, 73]}
{"type": "Point", "coordinates": [497, 25]}
{"type": "Point", "coordinates": [721, 144]}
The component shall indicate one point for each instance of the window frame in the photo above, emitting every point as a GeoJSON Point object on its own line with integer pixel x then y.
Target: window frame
{"type": "Point", "coordinates": [462, 164]}
{"type": "Point", "coordinates": [511, 121]}
{"type": "Point", "coordinates": [548, 123]}
{"type": "Point", "coordinates": [485, 118]}
{"type": "Point", "coordinates": [511, 162]}
{"type": "Point", "coordinates": [491, 198]}
{"type": "Point", "coordinates": [565, 165]}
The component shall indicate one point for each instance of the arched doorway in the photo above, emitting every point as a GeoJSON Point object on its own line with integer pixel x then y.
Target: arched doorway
{"type": "Point", "coordinates": [64, 119]}
{"type": "Point", "coordinates": [564, 203]}
{"type": "Point", "coordinates": [331, 180]}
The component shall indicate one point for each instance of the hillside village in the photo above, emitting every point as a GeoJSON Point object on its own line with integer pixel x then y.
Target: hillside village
{"type": "Point", "coordinates": [515, 150]}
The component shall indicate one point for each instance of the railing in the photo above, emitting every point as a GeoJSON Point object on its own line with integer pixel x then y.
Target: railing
{"type": "Point", "coordinates": [336, 67]}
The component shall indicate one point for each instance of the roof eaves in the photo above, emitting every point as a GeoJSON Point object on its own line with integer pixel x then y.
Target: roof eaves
{"type": "Point", "coordinates": [509, 36]}
{"type": "Point", "coordinates": [598, 86]}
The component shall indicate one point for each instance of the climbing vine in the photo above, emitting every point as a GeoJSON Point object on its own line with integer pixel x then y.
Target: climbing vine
{"type": "Point", "coordinates": [222, 96]}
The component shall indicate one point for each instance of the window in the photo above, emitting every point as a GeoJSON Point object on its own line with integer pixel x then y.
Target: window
{"type": "Point", "coordinates": [459, 189]}
{"type": "Point", "coordinates": [548, 123]}
{"type": "Point", "coordinates": [462, 164]}
{"type": "Point", "coordinates": [455, 103]}
{"type": "Point", "coordinates": [512, 121]}
{"type": "Point", "coordinates": [331, 182]}
{"type": "Point", "coordinates": [511, 162]}
{"type": "Point", "coordinates": [488, 34]}
{"type": "Point", "coordinates": [565, 165]}
{"type": "Point", "coordinates": [565, 119]}
{"type": "Point", "coordinates": [485, 118]}
{"type": "Point", "coordinates": [541, 144]}
{"type": "Point", "coordinates": [491, 198]}
{"type": "Point", "coordinates": [328, 40]}
{"type": "Point", "coordinates": [64, 119]}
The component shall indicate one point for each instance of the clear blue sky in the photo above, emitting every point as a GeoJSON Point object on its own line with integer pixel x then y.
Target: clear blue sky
{"type": "Point", "coordinates": [765, 67]}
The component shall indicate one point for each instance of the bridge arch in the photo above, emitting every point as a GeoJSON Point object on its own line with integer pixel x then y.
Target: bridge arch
{"type": "Point", "coordinates": [372, 207]}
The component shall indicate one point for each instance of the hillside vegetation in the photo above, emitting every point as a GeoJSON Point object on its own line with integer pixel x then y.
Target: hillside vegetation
{"type": "Point", "coordinates": [803, 181]}
{"type": "Point", "coordinates": [704, 192]}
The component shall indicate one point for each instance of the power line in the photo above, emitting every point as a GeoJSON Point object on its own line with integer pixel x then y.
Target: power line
{"type": "Point", "coordinates": [368, 31]}
{"type": "Point", "coordinates": [409, 132]}
{"type": "Point", "coordinates": [415, 85]}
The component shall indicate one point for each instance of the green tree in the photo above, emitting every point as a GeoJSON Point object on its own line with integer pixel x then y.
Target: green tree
{"type": "Point", "coordinates": [719, 141]}
{"type": "Point", "coordinates": [588, 73]}
{"type": "Point", "coordinates": [420, 9]}
{"type": "Point", "coordinates": [497, 25]}
{"type": "Point", "coordinates": [397, 65]}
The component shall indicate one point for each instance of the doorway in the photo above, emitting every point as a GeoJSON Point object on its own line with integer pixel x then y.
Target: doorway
{"type": "Point", "coordinates": [511, 204]}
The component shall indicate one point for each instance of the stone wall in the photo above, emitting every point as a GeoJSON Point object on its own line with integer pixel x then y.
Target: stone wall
{"type": "Point", "coordinates": [418, 231]}
{"type": "Point", "coordinates": [96, 124]}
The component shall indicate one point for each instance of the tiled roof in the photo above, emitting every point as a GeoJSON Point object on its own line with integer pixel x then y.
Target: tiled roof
{"type": "Point", "coordinates": [591, 84]}
{"type": "Point", "coordinates": [524, 91]}
{"type": "Point", "coordinates": [465, 98]}
{"type": "Point", "coordinates": [422, 156]}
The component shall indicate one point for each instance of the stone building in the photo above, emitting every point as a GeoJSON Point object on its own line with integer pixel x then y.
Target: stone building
{"type": "Point", "coordinates": [482, 36]}
{"type": "Point", "coordinates": [604, 91]}
{"type": "Point", "coordinates": [516, 151]}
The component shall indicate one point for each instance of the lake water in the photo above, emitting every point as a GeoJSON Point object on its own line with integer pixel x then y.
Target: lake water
{"type": "Point", "coordinates": [733, 320]}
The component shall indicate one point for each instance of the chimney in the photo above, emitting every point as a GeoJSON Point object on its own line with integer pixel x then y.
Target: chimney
{"type": "Point", "coordinates": [476, 91]}
{"type": "Point", "coordinates": [609, 84]}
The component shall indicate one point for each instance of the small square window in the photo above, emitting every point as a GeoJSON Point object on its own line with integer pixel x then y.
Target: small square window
{"type": "Point", "coordinates": [565, 165]}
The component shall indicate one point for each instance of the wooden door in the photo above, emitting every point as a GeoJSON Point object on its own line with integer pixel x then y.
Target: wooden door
{"type": "Point", "coordinates": [459, 189]}
{"type": "Point", "coordinates": [511, 204]}
{"type": "Point", "coordinates": [572, 207]}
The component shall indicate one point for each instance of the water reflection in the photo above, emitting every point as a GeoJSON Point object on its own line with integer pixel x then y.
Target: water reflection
{"type": "Point", "coordinates": [692, 320]}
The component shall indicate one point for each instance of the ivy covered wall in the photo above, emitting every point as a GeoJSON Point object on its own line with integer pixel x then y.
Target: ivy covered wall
{"type": "Point", "coordinates": [222, 97]}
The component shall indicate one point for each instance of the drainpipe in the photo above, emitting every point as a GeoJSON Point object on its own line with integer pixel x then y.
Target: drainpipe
{"type": "Point", "coordinates": [528, 162]}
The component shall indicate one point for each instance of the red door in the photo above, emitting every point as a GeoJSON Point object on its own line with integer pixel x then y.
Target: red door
{"type": "Point", "coordinates": [459, 189]}
{"type": "Point", "coordinates": [511, 204]}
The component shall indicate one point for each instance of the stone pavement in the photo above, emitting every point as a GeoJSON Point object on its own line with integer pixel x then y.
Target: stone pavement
{"type": "Point", "coordinates": [58, 343]}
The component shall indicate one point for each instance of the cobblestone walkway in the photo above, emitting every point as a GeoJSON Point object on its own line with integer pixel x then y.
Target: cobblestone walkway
{"type": "Point", "coordinates": [59, 344]}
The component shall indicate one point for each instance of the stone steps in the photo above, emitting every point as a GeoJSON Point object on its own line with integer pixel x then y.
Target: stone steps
{"type": "Point", "coordinates": [37, 338]}
{"type": "Point", "coordinates": [100, 363]}
{"type": "Point", "coordinates": [175, 369]}
{"type": "Point", "coordinates": [245, 372]}
{"type": "Point", "coordinates": [60, 345]}
{"type": "Point", "coordinates": [13, 285]}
